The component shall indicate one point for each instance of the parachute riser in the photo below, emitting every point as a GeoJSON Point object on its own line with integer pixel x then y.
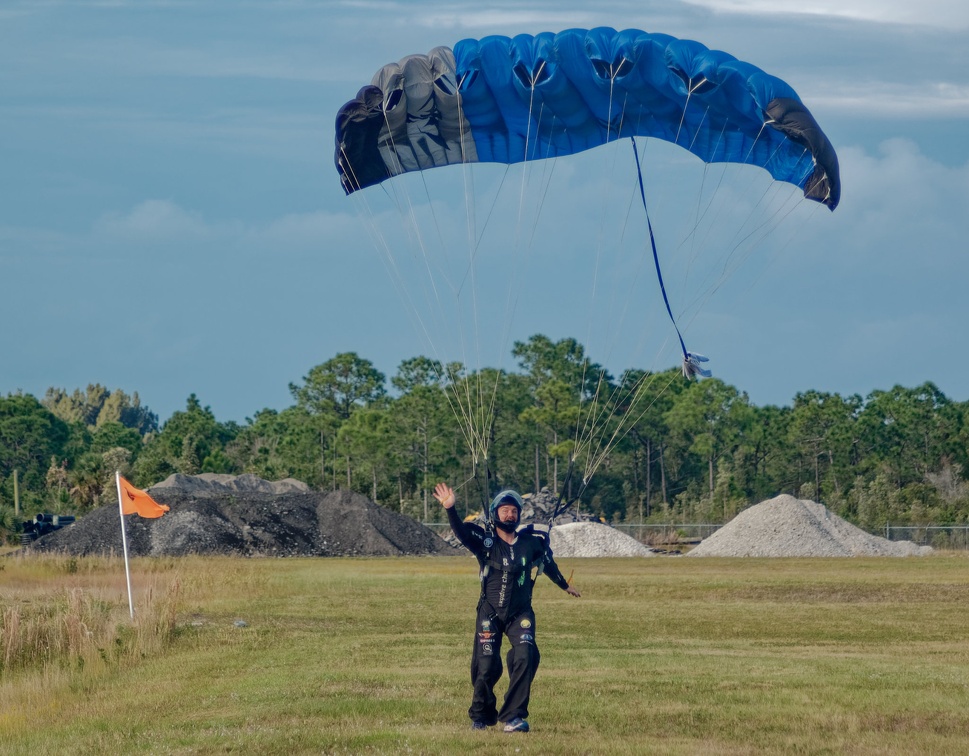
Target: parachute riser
{"type": "Point", "coordinates": [563, 503]}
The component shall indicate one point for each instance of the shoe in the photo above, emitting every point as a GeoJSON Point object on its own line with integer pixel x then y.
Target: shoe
{"type": "Point", "coordinates": [516, 725]}
{"type": "Point", "coordinates": [479, 725]}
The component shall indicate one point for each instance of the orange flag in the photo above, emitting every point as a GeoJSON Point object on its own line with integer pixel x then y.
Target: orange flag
{"type": "Point", "coordinates": [136, 501]}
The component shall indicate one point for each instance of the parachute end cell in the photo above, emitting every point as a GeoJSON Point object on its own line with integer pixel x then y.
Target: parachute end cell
{"type": "Point", "coordinates": [795, 121]}
{"type": "Point", "coordinates": [692, 366]}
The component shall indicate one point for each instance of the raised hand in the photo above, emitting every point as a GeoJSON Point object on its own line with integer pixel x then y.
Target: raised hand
{"type": "Point", "coordinates": [445, 494]}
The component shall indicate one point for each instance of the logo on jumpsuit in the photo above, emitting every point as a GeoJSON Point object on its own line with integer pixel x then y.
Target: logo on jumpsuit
{"type": "Point", "coordinates": [489, 542]}
{"type": "Point", "coordinates": [526, 623]}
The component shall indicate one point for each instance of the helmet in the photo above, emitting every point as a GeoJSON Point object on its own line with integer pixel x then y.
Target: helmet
{"type": "Point", "coordinates": [505, 498]}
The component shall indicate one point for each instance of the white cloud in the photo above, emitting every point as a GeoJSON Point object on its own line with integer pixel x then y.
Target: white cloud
{"type": "Point", "coordinates": [165, 222]}
{"type": "Point", "coordinates": [311, 230]}
{"type": "Point", "coordinates": [935, 100]}
{"type": "Point", "coordinates": [153, 220]}
{"type": "Point", "coordinates": [511, 18]}
{"type": "Point", "coordinates": [943, 14]}
{"type": "Point", "coordinates": [900, 188]}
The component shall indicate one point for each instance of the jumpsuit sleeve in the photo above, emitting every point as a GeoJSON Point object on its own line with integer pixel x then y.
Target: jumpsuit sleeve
{"type": "Point", "coordinates": [469, 534]}
{"type": "Point", "coordinates": [553, 571]}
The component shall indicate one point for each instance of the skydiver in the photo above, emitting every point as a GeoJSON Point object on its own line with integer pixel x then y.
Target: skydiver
{"type": "Point", "coordinates": [510, 558]}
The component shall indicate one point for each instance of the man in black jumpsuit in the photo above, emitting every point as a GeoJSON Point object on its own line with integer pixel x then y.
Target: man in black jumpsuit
{"type": "Point", "coordinates": [508, 557]}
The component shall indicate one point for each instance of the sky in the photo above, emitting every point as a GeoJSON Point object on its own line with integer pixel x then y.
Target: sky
{"type": "Point", "coordinates": [171, 222]}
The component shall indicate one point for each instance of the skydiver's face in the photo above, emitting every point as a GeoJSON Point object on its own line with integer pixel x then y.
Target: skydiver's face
{"type": "Point", "coordinates": [508, 513]}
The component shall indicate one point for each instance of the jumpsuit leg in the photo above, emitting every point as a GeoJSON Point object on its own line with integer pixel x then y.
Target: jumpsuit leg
{"type": "Point", "coordinates": [523, 660]}
{"type": "Point", "coordinates": [485, 667]}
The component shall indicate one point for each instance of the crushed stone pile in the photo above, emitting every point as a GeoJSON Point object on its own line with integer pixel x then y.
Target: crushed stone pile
{"type": "Point", "coordinates": [788, 527]}
{"type": "Point", "coordinates": [539, 507]}
{"type": "Point", "coordinates": [241, 516]}
{"type": "Point", "coordinates": [593, 539]}
{"type": "Point", "coordinates": [221, 483]}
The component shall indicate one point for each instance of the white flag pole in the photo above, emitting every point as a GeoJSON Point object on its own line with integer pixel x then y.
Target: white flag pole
{"type": "Point", "coordinates": [124, 543]}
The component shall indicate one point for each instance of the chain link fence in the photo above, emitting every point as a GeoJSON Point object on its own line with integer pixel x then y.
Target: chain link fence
{"type": "Point", "coordinates": [660, 536]}
{"type": "Point", "coordinates": [937, 536]}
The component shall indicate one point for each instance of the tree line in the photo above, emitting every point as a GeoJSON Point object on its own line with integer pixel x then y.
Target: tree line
{"type": "Point", "coordinates": [688, 451]}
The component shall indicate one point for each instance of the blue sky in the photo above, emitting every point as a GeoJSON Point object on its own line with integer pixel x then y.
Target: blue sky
{"type": "Point", "coordinates": [171, 221]}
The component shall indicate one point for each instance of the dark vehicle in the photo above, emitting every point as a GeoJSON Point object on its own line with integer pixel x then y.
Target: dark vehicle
{"type": "Point", "coordinates": [41, 525]}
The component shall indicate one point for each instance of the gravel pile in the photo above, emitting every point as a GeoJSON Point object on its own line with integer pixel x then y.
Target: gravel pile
{"type": "Point", "coordinates": [243, 516]}
{"type": "Point", "coordinates": [789, 527]}
{"type": "Point", "coordinates": [593, 539]}
{"type": "Point", "coordinates": [539, 507]}
{"type": "Point", "coordinates": [209, 483]}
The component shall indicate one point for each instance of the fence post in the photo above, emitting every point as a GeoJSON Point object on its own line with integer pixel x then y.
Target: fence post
{"type": "Point", "coordinates": [888, 534]}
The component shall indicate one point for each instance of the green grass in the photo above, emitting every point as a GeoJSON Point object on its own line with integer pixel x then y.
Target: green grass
{"type": "Point", "coordinates": [665, 655]}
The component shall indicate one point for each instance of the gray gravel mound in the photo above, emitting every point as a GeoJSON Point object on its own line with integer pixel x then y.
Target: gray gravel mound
{"type": "Point", "coordinates": [221, 483]}
{"type": "Point", "coordinates": [789, 527]}
{"type": "Point", "coordinates": [593, 539]}
{"type": "Point", "coordinates": [249, 522]}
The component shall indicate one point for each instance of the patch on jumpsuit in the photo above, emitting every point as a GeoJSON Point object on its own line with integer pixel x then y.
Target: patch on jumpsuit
{"type": "Point", "coordinates": [486, 639]}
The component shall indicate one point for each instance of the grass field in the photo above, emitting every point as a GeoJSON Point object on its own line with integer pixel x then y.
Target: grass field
{"type": "Point", "coordinates": [664, 655]}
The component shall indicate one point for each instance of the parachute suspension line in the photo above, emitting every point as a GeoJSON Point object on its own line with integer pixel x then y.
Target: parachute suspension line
{"type": "Point", "coordinates": [528, 139]}
{"type": "Point", "coordinates": [470, 408]}
{"type": "Point", "coordinates": [479, 236]}
{"type": "Point", "coordinates": [744, 246]}
{"type": "Point", "coordinates": [589, 420]}
{"type": "Point", "coordinates": [546, 185]}
{"type": "Point", "coordinates": [411, 213]}
{"type": "Point", "coordinates": [763, 227]}
{"type": "Point", "coordinates": [769, 224]}
{"type": "Point", "coordinates": [627, 422]}
{"type": "Point", "coordinates": [349, 165]}
{"type": "Point", "coordinates": [691, 362]}
{"type": "Point", "coordinates": [754, 143]}
{"type": "Point", "coordinates": [693, 237]}
{"type": "Point", "coordinates": [476, 412]}
{"type": "Point", "coordinates": [624, 427]}
{"type": "Point", "coordinates": [582, 421]}
{"type": "Point", "coordinates": [464, 412]}
{"type": "Point", "coordinates": [590, 442]}
{"type": "Point", "coordinates": [549, 161]}
{"type": "Point", "coordinates": [741, 240]}
{"type": "Point", "coordinates": [564, 502]}
{"type": "Point", "coordinates": [700, 214]}
{"type": "Point", "coordinates": [382, 245]}
{"type": "Point", "coordinates": [699, 126]}
{"type": "Point", "coordinates": [690, 89]}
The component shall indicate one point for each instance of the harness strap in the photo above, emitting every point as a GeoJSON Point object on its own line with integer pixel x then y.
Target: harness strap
{"type": "Point", "coordinates": [489, 560]}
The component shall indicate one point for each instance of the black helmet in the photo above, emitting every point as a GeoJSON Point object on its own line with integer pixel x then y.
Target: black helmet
{"type": "Point", "coordinates": [505, 498]}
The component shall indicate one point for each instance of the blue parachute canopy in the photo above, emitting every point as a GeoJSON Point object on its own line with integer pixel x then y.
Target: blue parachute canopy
{"type": "Point", "coordinates": [509, 100]}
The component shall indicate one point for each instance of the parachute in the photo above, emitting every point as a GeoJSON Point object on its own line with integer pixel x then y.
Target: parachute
{"type": "Point", "coordinates": [531, 100]}
{"type": "Point", "coordinates": [509, 100]}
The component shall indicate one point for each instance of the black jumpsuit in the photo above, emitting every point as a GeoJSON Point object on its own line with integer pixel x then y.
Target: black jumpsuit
{"type": "Point", "coordinates": [505, 608]}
